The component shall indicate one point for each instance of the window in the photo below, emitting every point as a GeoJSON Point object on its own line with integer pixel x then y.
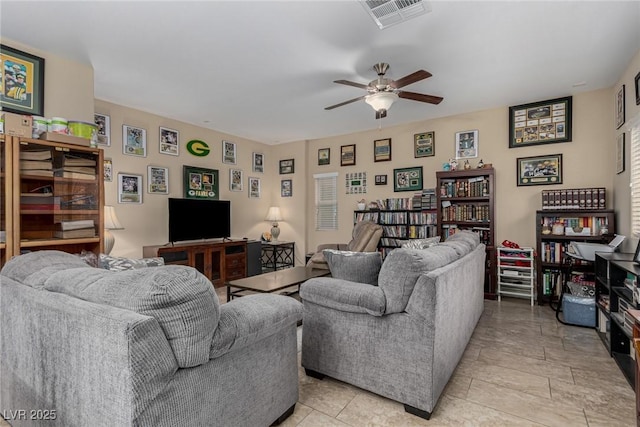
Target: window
{"type": "Point", "coordinates": [326, 201]}
{"type": "Point", "coordinates": [635, 176]}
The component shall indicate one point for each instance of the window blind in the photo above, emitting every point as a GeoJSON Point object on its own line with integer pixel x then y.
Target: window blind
{"type": "Point", "coordinates": [326, 201]}
{"type": "Point", "coordinates": [635, 176]}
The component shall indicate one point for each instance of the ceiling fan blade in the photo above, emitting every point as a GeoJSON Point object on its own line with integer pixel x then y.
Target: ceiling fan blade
{"type": "Point", "coordinates": [420, 97]}
{"type": "Point", "coordinates": [348, 83]}
{"type": "Point", "coordinates": [345, 103]}
{"type": "Point", "coordinates": [411, 78]}
{"type": "Point", "coordinates": [381, 114]}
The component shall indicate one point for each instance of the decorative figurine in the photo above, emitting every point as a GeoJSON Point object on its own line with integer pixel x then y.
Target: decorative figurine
{"type": "Point", "coordinates": [454, 164]}
{"type": "Point", "coordinates": [446, 167]}
{"type": "Point", "coordinates": [467, 165]}
{"type": "Point", "coordinates": [480, 164]}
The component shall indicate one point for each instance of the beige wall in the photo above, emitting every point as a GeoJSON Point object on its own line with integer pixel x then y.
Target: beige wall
{"type": "Point", "coordinates": [586, 161]}
{"type": "Point", "coordinates": [622, 191]}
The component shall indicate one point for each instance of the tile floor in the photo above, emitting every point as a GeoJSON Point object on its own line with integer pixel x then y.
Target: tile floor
{"type": "Point", "coordinates": [521, 368]}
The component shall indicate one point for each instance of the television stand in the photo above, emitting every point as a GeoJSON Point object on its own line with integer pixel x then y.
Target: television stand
{"type": "Point", "coordinates": [219, 261]}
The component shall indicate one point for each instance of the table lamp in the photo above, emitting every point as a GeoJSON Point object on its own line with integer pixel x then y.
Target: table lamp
{"type": "Point", "coordinates": [111, 222]}
{"type": "Point", "coordinates": [274, 216]}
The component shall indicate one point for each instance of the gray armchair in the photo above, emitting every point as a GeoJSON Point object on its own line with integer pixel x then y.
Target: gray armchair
{"type": "Point", "coordinates": [365, 238]}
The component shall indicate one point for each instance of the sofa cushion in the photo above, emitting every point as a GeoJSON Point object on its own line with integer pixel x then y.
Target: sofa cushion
{"type": "Point", "coordinates": [181, 299]}
{"type": "Point", "coordinates": [34, 268]}
{"type": "Point", "coordinates": [362, 267]}
{"type": "Point", "coordinates": [421, 243]}
{"type": "Point", "coordinates": [109, 262]}
{"type": "Point", "coordinates": [402, 267]}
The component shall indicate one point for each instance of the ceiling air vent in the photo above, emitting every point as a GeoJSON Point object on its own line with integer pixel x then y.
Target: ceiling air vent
{"type": "Point", "coordinates": [390, 12]}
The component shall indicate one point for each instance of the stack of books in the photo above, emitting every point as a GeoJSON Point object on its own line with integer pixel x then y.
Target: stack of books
{"type": "Point", "coordinates": [36, 162]}
{"type": "Point", "coordinates": [78, 167]}
{"type": "Point", "coordinates": [75, 229]}
{"type": "Point", "coordinates": [39, 201]}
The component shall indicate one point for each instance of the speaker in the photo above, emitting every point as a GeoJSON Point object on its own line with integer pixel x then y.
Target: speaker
{"type": "Point", "coordinates": [254, 258]}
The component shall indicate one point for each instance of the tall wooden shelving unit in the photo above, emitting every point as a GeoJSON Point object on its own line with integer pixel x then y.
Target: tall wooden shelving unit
{"type": "Point", "coordinates": [6, 217]}
{"type": "Point", "coordinates": [32, 227]}
{"type": "Point", "coordinates": [469, 204]}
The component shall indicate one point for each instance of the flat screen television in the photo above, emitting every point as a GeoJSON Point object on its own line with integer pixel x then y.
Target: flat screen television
{"type": "Point", "coordinates": [192, 219]}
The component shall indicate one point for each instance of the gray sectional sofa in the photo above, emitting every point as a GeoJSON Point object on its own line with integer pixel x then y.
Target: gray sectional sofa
{"type": "Point", "coordinates": [402, 334]}
{"type": "Point", "coordinates": [84, 346]}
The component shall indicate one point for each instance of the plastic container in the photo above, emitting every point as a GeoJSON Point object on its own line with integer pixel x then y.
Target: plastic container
{"type": "Point", "coordinates": [40, 126]}
{"type": "Point", "coordinates": [58, 125]}
{"type": "Point", "coordinates": [83, 130]}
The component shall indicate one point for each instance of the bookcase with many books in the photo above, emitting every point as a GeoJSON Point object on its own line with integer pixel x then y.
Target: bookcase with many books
{"type": "Point", "coordinates": [555, 229]}
{"type": "Point", "coordinates": [58, 196]}
{"type": "Point", "coordinates": [465, 201]}
{"type": "Point", "coordinates": [5, 200]}
{"type": "Point", "coordinates": [403, 219]}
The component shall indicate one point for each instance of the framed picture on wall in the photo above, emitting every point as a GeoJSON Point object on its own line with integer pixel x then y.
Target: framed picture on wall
{"type": "Point", "coordinates": [228, 152]}
{"type": "Point", "coordinates": [258, 162]}
{"type": "Point", "coordinates": [467, 144]}
{"type": "Point", "coordinates": [235, 180]}
{"type": "Point", "coordinates": [348, 155]}
{"type": "Point", "coordinates": [169, 141]}
{"type": "Point", "coordinates": [158, 180]}
{"type": "Point", "coordinates": [22, 82]}
{"type": "Point", "coordinates": [382, 150]}
{"type": "Point", "coordinates": [286, 188]}
{"type": "Point", "coordinates": [424, 144]}
{"type": "Point", "coordinates": [637, 84]}
{"type": "Point", "coordinates": [129, 188]}
{"type": "Point", "coordinates": [620, 153]}
{"type": "Point", "coordinates": [324, 156]}
{"type": "Point", "coordinates": [200, 183]}
{"type": "Point", "coordinates": [107, 168]}
{"type": "Point", "coordinates": [103, 123]}
{"type": "Point", "coordinates": [539, 170]}
{"type": "Point", "coordinates": [407, 179]}
{"type": "Point", "coordinates": [542, 122]}
{"type": "Point", "coordinates": [134, 141]}
{"type": "Point", "coordinates": [620, 107]}
{"type": "Point", "coordinates": [287, 166]}
{"type": "Point", "coordinates": [254, 188]}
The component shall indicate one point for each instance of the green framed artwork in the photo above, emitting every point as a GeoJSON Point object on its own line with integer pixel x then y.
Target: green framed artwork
{"type": "Point", "coordinates": [543, 122]}
{"type": "Point", "coordinates": [200, 183]}
{"type": "Point", "coordinates": [424, 144]}
{"type": "Point", "coordinates": [22, 82]}
{"type": "Point", "coordinates": [407, 179]}
{"type": "Point", "coordinates": [539, 170]}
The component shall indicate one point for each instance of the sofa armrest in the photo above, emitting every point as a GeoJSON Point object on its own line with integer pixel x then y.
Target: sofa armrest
{"type": "Point", "coordinates": [246, 320]}
{"type": "Point", "coordinates": [344, 295]}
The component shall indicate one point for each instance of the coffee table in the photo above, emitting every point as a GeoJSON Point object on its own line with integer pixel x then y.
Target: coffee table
{"type": "Point", "coordinates": [273, 281]}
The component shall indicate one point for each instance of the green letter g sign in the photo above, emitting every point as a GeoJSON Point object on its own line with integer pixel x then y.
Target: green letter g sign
{"type": "Point", "coordinates": [198, 148]}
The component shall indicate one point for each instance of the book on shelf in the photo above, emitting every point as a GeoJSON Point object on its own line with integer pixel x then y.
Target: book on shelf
{"type": "Point", "coordinates": [39, 172]}
{"type": "Point", "coordinates": [78, 175]}
{"type": "Point", "coordinates": [35, 155]}
{"type": "Point", "coordinates": [35, 164]}
{"type": "Point", "coordinates": [75, 234]}
{"type": "Point", "coordinates": [75, 224]}
{"type": "Point", "coordinates": [40, 207]}
{"type": "Point", "coordinates": [39, 199]}
{"type": "Point", "coordinates": [78, 160]}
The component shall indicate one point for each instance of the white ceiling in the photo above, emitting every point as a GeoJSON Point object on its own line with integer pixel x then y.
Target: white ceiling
{"type": "Point", "coordinates": [264, 70]}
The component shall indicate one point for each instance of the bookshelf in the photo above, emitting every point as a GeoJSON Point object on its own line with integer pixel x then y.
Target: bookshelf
{"type": "Point", "coordinates": [5, 199]}
{"type": "Point", "coordinates": [555, 229]}
{"type": "Point", "coordinates": [403, 219]}
{"type": "Point", "coordinates": [465, 201]}
{"type": "Point", "coordinates": [58, 195]}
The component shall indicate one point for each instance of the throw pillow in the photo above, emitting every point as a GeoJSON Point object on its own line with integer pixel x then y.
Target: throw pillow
{"type": "Point", "coordinates": [119, 264]}
{"type": "Point", "coordinates": [421, 243]}
{"type": "Point", "coordinates": [361, 267]}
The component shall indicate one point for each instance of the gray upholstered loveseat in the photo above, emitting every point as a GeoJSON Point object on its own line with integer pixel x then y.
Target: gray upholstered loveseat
{"type": "Point", "coordinates": [403, 338]}
{"type": "Point", "coordinates": [146, 347]}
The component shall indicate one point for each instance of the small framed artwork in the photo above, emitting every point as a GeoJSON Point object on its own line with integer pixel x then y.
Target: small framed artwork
{"type": "Point", "coordinates": [636, 256]}
{"type": "Point", "coordinates": [407, 179]}
{"type": "Point", "coordinates": [539, 170]}
{"type": "Point", "coordinates": [467, 144]}
{"type": "Point", "coordinates": [620, 153]}
{"type": "Point", "coordinates": [381, 180]}
{"type": "Point", "coordinates": [287, 166]}
{"type": "Point", "coordinates": [348, 155]}
{"type": "Point", "coordinates": [107, 168]}
{"type": "Point", "coordinates": [22, 82]}
{"type": "Point", "coordinates": [228, 152]}
{"type": "Point", "coordinates": [356, 183]}
{"type": "Point", "coordinates": [103, 123]}
{"type": "Point", "coordinates": [200, 183]}
{"type": "Point", "coordinates": [620, 107]}
{"type": "Point", "coordinates": [157, 180]}
{"type": "Point", "coordinates": [254, 188]}
{"type": "Point", "coordinates": [235, 180]}
{"type": "Point", "coordinates": [637, 83]}
{"type": "Point", "coordinates": [129, 188]}
{"type": "Point", "coordinates": [382, 150]}
{"type": "Point", "coordinates": [324, 156]}
{"type": "Point", "coordinates": [543, 122]}
{"type": "Point", "coordinates": [169, 141]}
{"type": "Point", "coordinates": [258, 162]}
{"type": "Point", "coordinates": [286, 188]}
{"type": "Point", "coordinates": [134, 141]}
{"type": "Point", "coordinates": [424, 144]}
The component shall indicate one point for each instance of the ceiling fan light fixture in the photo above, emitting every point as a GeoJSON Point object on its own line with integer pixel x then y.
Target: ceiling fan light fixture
{"type": "Point", "coordinates": [381, 100]}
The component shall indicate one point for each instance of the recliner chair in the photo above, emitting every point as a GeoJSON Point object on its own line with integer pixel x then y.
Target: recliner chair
{"type": "Point", "coordinates": [365, 238]}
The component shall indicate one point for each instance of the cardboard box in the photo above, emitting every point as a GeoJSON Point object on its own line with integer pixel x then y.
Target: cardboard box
{"type": "Point", "coordinates": [17, 125]}
{"type": "Point", "coordinates": [69, 139]}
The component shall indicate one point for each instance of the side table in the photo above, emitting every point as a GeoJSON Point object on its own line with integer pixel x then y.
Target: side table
{"type": "Point", "coordinates": [277, 255]}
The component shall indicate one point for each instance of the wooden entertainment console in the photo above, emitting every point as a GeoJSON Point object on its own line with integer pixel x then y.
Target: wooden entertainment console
{"type": "Point", "coordinates": [219, 261]}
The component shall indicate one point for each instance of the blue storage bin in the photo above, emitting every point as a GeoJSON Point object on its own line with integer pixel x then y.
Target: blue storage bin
{"type": "Point", "coordinates": [579, 310]}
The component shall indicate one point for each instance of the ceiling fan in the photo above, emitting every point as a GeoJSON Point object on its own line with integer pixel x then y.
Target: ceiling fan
{"type": "Point", "coordinates": [383, 92]}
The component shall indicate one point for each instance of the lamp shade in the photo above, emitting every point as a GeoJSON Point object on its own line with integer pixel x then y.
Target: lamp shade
{"type": "Point", "coordinates": [274, 214]}
{"type": "Point", "coordinates": [381, 100]}
{"type": "Point", "coordinates": [111, 221]}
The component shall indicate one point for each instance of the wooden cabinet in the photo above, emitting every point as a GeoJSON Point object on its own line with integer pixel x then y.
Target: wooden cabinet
{"type": "Point", "coordinates": [6, 200]}
{"type": "Point", "coordinates": [218, 261]}
{"type": "Point", "coordinates": [57, 197]}
{"type": "Point", "coordinates": [555, 229]}
{"type": "Point", "coordinates": [466, 202]}
{"type": "Point", "coordinates": [617, 276]}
